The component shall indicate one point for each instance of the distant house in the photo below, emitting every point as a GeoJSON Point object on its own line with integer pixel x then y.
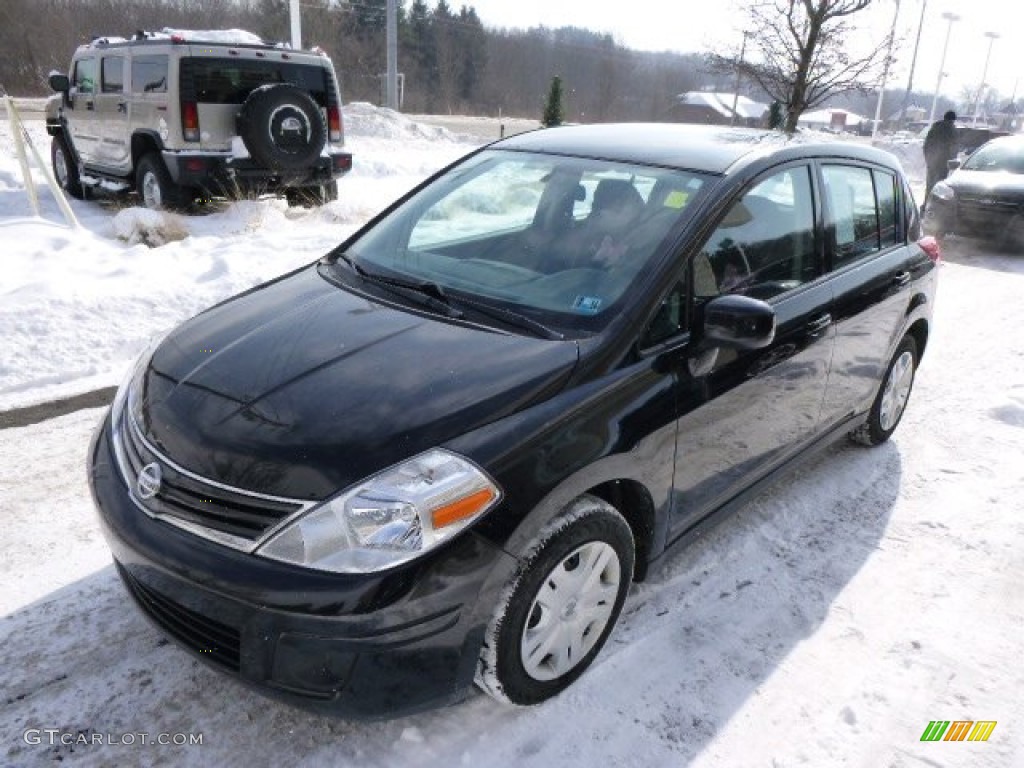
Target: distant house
{"type": "Point", "coordinates": [836, 120]}
{"type": "Point", "coordinates": [717, 109]}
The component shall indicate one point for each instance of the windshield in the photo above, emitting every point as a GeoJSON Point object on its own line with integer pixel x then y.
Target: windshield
{"type": "Point", "coordinates": [998, 156]}
{"type": "Point", "coordinates": [560, 239]}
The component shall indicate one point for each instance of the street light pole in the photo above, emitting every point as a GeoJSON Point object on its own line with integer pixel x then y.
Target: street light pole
{"type": "Point", "coordinates": [984, 73]}
{"type": "Point", "coordinates": [950, 17]}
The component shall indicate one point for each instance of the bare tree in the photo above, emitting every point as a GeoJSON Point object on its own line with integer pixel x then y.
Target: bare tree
{"type": "Point", "coordinates": [802, 55]}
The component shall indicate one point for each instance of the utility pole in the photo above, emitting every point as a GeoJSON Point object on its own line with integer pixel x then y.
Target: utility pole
{"type": "Point", "coordinates": [885, 73]}
{"type": "Point", "coordinates": [392, 45]}
{"type": "Point", "coordinates": [736, 87]}
{"type": "Point", "coordinates": [913, 63]}
{"type": "Point", "coordinates": [293, 12]}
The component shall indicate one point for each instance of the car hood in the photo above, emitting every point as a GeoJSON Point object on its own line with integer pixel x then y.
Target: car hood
{"type": "Point", "coordinates": [300, 388]}
{"type": "Point", "coordinates": [988, 184]}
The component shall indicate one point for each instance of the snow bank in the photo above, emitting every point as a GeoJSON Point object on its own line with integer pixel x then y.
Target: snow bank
{"type": "Point", "coordinates": [76, 306]}
{"type": "Point", "coordinates": [152, 228]}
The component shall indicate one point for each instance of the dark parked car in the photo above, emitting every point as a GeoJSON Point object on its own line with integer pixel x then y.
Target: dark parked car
{"type": "Point", "coordinates": [983, 197]}
{"type": "Point", "coordinates": [443, 452]}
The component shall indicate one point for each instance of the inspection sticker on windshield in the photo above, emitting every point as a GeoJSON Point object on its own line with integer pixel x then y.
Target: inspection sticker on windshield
{"type": "Point", "coordinates": [588, 304]}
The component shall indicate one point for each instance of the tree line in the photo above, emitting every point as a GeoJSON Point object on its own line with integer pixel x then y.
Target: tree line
{"type": "Point", "coordinates": [450, 62]}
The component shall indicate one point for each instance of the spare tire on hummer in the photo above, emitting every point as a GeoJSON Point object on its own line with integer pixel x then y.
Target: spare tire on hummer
{"type": "Point", "coordinates": [282, 127]}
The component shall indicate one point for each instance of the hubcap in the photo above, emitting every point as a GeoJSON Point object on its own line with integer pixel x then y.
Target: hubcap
{"type": "Point", "coordinates": [60, 164]}
{"type": "Point", "coordinates": [570, 611]}
{"type": "Point", "coordinates": [897, 390]}
{"type": "Point", "coordinates": [151, 190]}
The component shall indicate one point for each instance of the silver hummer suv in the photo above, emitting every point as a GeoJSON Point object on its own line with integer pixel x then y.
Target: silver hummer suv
{"type": "Point", "coordinates": [178, 116]}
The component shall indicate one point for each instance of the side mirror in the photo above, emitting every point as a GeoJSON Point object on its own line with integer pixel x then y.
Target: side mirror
{"type": "Point", "coordinates": [952, 164]}
{"type": "Point", "coordinates": [739, 322]}
{"type": "Point", "coordinates": [59, 82]}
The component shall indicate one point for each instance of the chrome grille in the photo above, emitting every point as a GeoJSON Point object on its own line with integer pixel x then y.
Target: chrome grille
{"type": "Point", "coordinates": [231, 516]}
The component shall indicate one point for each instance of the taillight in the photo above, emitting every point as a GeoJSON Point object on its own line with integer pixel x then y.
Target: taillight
{"type": "Point", "coordinates": [190, 121]}
{"type": "Point", "coordinates": [931, 246]}
{"type": "Point", "coordinates": [334, 123]}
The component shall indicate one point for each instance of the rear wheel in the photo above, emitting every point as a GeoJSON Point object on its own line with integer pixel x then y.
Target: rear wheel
{"type": "Point", "coordinates": [65, 169]}
{"type": "Point", "coordinates": [887, 410]}
{"type": "Point", "coordinates": [156, 187]}
{"type": "Point", "coordinates": [559, 608]}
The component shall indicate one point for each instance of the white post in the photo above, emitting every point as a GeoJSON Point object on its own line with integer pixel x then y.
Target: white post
{"type": "Point", "coordinates": [391, 43]}
{"type": "Point", "coordinates": [19, 149]}
{"type": "Point", "coordinates": [293, 10]}
{"type": "Point", "coordinates": [14, 120]}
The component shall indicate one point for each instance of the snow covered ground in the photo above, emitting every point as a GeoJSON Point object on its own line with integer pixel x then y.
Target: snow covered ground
{"type": "Point", "coordinates": [825, 624]}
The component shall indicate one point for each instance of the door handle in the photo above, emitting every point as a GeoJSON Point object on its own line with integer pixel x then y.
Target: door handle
{"type": "Point", "coordinates": [901, 279]}
{"type": "Point", "coordinates": [819, 325]}
{"type": "Point", "coordinates": [89, 105]}
{"type": "Point", "coordinates": [122, 106]}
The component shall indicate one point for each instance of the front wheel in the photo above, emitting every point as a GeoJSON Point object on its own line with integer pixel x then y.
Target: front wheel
{"type": "Point", "coordinates": [65, 170]}
{"type": "Point", "coordinates": [559, 608]}
{"type": "Point", "coordinates": [887, 410]}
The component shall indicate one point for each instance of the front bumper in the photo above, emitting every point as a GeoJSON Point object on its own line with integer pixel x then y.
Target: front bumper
{"type": "Point", "coordinates": [363, 645]}
{"type": "Point", "coordinates": [973, 216]}
{"type": "Point", "coordinates": [224, 174]}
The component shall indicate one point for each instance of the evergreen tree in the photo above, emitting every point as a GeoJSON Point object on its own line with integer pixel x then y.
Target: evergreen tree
{"type": "Point", "coordinates": [554, 112]}
{"type": "Point", "coordinates": [775, 116]}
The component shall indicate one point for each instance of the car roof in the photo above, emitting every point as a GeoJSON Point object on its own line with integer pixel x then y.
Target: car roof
{"type": "Point", "coordinates": [712, 149]}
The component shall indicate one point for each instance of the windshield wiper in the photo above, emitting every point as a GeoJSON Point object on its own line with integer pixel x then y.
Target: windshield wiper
{"type": "Point", "coordinates": [434, 295]}
{"type": "Point", "coordinates": [513, 318]}
{"type": "Point", "coordinates": [424, 292]}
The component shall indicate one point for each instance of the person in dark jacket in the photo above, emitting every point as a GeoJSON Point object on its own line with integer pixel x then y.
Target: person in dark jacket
{"type": "Point", "coordinates": [940, 146]}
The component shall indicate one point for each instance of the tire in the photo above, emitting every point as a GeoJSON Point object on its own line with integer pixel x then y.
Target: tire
{"type": "Point", "coordinates": [309, 197]}
{"type": "Point", "coordinates": [65, 169]}
{"type": "Point", "coordinates": [550, 606]}
{"type": "Point", "coordinates": [282, 127]}
{"type": "Point", "coordinates": [887, 410]}
{"type": "Point", "coordinates": [155, 186]}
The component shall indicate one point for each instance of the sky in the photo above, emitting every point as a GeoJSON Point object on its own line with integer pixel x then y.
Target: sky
{"type": "Point", "coordinates": [688, 26]}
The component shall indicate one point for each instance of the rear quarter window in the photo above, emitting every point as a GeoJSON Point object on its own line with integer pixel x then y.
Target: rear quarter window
{"type": "Point", "coordinates": [149, 74]}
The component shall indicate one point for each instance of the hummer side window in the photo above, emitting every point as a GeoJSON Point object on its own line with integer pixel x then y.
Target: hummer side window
{"type": "Point", "coordinates": [112, 74]}
{"type": "Point", "coordinates": [149, 74]}
{"type": "Point", "coordinates": [85, 76]}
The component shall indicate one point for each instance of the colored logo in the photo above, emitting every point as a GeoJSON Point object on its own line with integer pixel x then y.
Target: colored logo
{"type": "Point", "coordinates": [958, 730]}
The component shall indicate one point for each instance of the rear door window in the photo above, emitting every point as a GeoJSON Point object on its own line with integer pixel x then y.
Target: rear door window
{"type": "Point", "coordinates": [854, 220]}
{"type": "Point", "coordinates": [112, 74]}
{"type": "Point", "coordinates": [885, 192]}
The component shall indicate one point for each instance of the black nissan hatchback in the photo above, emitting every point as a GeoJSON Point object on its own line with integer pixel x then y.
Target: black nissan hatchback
{"type": "Point", "coordinates": [442, 453]}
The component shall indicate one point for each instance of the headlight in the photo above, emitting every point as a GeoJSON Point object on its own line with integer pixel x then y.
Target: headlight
{"type": "Point", "coordinates": [389, 518]}
{"type": "Point", "coordinates": [943, 191]}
